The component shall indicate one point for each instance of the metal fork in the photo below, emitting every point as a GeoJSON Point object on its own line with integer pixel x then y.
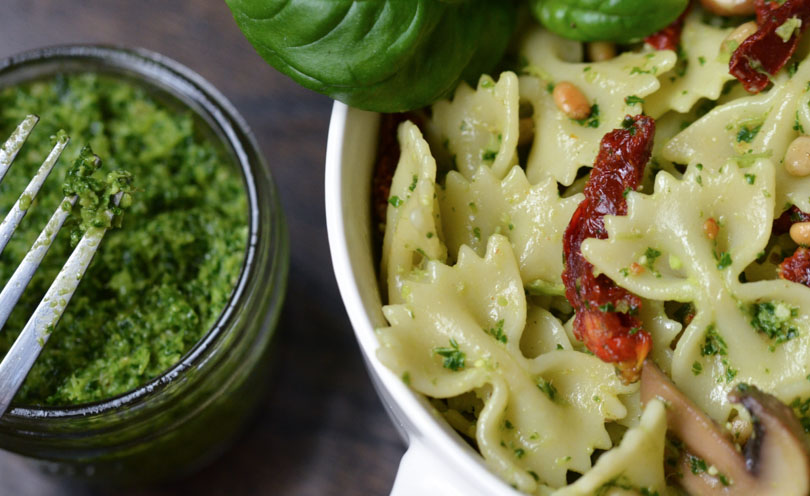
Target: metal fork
{"type": "Point", "coordinates": [25, 350]}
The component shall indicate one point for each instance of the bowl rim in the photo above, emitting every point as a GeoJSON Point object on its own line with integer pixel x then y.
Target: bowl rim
{"type": "Point", "coordinates": [152, 69]}
{"type": "Point", "coordinates": [418, 422]}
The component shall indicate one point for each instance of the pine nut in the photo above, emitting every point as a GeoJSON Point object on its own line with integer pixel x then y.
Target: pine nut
{"type": "Point", "coordinates": [710, 228]}
{"type": "Point", "coordinates": [729, 7]}
{"type": "Point", "coordinates": [571, 101]}
{"type": "Point", "coordinates": [599, 51]}
{"type": "Point", "coordinates": [797, 157]}
{"type": "Point", "coordinates": [800, 233]}
{"type": "Point", "coordinates": [740, 33]}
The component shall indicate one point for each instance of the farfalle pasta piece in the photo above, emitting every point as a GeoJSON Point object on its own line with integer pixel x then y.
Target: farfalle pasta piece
{"type": "Point", "coordinates": [459, 330]}
{"type": "Point", "coordinates": [533, 217]}
{"type": "Point", "coordinates": [701, 72]}
{"type": "Point", "coordinates": [635, 465]}
{"type": "Point", "coordinates": [412, 229]}
{"type": "Point", "coordinates": [478, 127]}
{"type": "Point", "coordinates": [753, 127]}
{"type": "Point", "coordinates": [614, 88]}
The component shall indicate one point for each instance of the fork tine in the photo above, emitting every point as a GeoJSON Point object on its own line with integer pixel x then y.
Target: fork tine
{"type": "Point", "coordinates": [15, 286]}
{"type": "Point", "coordinates": [25, 350]}
{"type": "Point", "coordinates": [13, 144]}
{"type": "Point", "coordinates": [20, 208]}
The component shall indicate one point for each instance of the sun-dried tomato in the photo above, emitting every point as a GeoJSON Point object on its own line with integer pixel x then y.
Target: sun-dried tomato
{"type": "Point", "coordinates": [765, 52]}
{"type": "Point", "coordinates": [763, 8]}
{"type": "Point", "coordinates": [796, 267]}
{"type": "Point", "coordinates": [788, 218]}
{"type": "Point", "coordinates": [606, 318]}
{"type": "Point", "coordinates": [670, 37]}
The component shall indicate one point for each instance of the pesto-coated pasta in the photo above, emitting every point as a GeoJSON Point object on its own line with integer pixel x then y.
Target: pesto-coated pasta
{"type": "Point", "coordinates": [473, 256]}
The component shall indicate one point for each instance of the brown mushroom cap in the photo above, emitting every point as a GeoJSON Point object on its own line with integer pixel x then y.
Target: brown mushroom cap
{"type": "Point", "coordinates": [775, 460]}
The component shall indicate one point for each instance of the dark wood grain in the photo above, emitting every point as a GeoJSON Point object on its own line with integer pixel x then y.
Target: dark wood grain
{"type": "Point", "coordinates": [321, 429]}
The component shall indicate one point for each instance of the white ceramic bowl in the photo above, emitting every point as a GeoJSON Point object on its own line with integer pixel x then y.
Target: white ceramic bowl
{"type": "Point", "coordinates": [438, 460]}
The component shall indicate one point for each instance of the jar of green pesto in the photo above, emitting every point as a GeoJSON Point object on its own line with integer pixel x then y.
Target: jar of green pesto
{"type": "Point", "coordinates": [165, 357]}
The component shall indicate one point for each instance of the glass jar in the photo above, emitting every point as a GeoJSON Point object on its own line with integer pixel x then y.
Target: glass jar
{"type": "Point", "coordinates": [189, 414]}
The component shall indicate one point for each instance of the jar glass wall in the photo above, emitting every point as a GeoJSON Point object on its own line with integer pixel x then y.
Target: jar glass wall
{"type": "Point", "coordinates": [187, 415]}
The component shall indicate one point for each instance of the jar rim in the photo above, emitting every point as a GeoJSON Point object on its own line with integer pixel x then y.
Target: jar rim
{"type": "Point", "coordinates": [152, 69]}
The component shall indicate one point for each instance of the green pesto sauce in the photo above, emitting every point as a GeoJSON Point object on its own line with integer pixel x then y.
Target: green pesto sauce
{"type": "Point", "coordinates": [95, 194]}
{"type": "Point", "coordinates": [159, 282]}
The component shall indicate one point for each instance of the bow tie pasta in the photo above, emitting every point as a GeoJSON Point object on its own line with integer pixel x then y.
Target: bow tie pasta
{"type": "Point", "coordinates": [472, 257]}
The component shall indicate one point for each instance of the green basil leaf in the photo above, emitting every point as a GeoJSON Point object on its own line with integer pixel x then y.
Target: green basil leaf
{"type": "Point", "coordinates": [622, 21]}
{"type": "Point", "coordinates": [381, 55]}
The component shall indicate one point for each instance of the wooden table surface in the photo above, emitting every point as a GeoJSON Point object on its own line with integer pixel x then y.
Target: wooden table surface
{"type": "Point", "coordinates": [321, 429]}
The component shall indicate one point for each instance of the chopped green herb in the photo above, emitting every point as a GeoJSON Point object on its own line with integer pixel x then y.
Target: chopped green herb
{"type": "Point", "coordinates": [547, 387]}
{"type": "Point", "coordinates": [774, 319]}
{"type": "Point", "coordinates": [750, 178]}
{"type": "Point", "coordinates": [650, 256]}
{"type": "Point", "coordinates": [702, 60]}
{"type": "Point", "coordinates": [723, 260]}
{"type": "Point", "coordinates": [802, 409]}
{"type": "Point", "coordinates": [453, 357]}
{"type": "Point", "coordinates": [477, 233]}
{"type": "Point", "coordinates": [697, 465]}
{"type": "Point", "coordinates": [497, 332]}
{"type": "Point", "coordinates": [747, 133]}
{"type": "Point", "coordinates": [633, 100]}
{"type": "Point", "coordinates": [730, 372]}
{"type": "Point", "coordinates": [792, 68]}
{"type": "Point", "coordinates": [395, 201]}
{"type": "Point", "coordinates": [639, 70]}
{"type": "Point", "coordinates": [607, 307]}
{"type": "Point", "coordinates": [697, 368]}
{"type": "Point", "coordinates": [491, 151]}
{"type": "Point", "coordinates": [413, 182]}
{"type": "Point", "coordinates": [713, 344]}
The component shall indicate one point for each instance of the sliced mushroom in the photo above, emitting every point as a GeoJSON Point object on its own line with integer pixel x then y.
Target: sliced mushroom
{"type": "Point", "coordinates": [775, 460]}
